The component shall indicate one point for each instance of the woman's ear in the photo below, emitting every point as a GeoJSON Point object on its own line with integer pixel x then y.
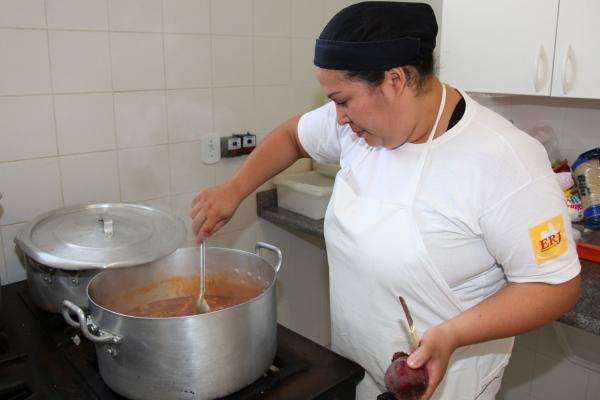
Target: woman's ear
{"type": "Point", "coordinates": [397, 78]}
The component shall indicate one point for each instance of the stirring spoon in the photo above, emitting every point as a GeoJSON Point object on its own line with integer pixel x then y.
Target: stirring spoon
{"type": "Point", "coordinates": [201, 303]}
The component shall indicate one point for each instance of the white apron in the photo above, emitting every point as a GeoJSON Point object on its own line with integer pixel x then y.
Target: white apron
{"type": "Point", "coordinates": [376, 253]}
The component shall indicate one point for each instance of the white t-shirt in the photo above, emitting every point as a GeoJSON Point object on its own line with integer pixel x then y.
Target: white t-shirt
{"type": "Point", "coordinates": [489, 206]}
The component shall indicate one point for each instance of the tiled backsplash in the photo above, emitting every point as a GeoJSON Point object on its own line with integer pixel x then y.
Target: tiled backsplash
{"type": "Point", "coordinates": [107, 100]}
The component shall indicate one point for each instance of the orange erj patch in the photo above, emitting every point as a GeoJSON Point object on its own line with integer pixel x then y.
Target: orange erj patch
{"type": "Point", "coordinates": [549, 240]}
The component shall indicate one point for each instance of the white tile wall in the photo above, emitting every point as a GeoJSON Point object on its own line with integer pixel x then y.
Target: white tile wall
{"type": "Point", "coordinates": [141, 118]}
{"type": "Point", "coordinates": [181, 205]}
{"type": "Point", "coordinates": [14, 268]}
{"type": "Point", "coordinates": [188, 172]}
{"type": "Point", "coordinates": [26, 127]}
{"type": "Point", "coordinates": [231, 17]}
{"type": "Point", "coordinates": [80, 61]}
{"type": "Point", "coordinates": [22, 13]}
{"type": "Point", "coordinates": [309, 18]}
{"type": "Point", "coordinates": [188, 61]}
{"type": "Point", "coordinates": [144, 173]}
{"type": "Point", "coordinates": [272, 60]}
{"type": "Point", "coordinates": [244, 239]}
{"type": "Point", "coordinates": [90, 178]}
{"type": "Point", "coordinates": [137, 61]}
{"type": "Point", "coordinates": [29, 188]}
{"type": "Point", "coordinates": [243, 217]}
{"type": "Point", "coordinates": [186, 16]}
{"type": "Point", "coordinates": [305, 96]}
{"type": "Point", "coordinates": [162, 203]}
{"type": "Point", "coordinates": [189, 114]}
{"type": "Point", "coordinates": [233, 109]}
{"type": "Point", "coordinates": [25, 68]}
{"type": "Point", "coordinates": [84, 122]}
{"type": "Point", "coordinates": [302, 60]}
{"type": "Point", "coordinates": [232, 60]}
{"type": "Point", "coordinates": [3, 275]}
{"type": "Point", "coordinates": [135, 15]}
{"type": "Point", "coordinates": [271, 107]}
{"type": "Point", "coordinates": [77, 14]}
{"type": "Point", "coordinates": [272, 17]}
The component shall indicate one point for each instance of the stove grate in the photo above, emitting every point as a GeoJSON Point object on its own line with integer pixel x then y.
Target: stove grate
{"type": "Point", "coordinates": [18, 390]}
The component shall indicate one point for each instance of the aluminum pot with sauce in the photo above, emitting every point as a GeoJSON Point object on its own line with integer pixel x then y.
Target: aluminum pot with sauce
{"type": "Point", "coordinates": [178, 356]}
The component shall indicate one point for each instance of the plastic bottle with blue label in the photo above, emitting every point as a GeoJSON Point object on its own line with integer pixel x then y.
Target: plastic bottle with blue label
{"type": "Point", "coordinates": [586, 171]}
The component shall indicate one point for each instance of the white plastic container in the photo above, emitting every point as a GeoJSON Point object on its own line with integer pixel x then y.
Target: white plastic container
{"type": "Point", "coordinates": [306, 193]}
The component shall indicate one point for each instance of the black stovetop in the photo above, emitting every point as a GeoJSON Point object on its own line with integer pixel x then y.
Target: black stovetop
{"type": "Point", "coordinates": [39, 359]}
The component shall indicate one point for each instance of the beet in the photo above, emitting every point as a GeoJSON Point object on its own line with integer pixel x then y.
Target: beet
{"type": "Point", "coordinates": [404, 382]}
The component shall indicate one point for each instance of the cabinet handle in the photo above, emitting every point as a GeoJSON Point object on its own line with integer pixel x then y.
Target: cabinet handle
{"type": "Point", "coordinates": [540, 61]}
{"type": "Point", "coordinates": [566, 85]}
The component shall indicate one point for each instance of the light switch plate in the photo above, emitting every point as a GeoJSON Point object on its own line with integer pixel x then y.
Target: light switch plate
{"type": "Point", "coordinates": [211, 148]}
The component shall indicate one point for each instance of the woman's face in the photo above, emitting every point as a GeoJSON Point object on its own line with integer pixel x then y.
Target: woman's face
{"type": "Point", "coordinates": [370, 111]}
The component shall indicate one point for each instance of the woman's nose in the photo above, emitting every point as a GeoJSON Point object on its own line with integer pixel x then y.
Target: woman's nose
{"type": "Point", "coordinates": [342, 117]}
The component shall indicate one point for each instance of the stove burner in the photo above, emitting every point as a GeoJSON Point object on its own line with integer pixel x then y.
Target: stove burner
{"type": "Point", "coordinates": [17, 391]}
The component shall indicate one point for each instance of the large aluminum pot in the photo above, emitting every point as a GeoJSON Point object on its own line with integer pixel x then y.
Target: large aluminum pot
{"type": "Point", "coordinates": [49, 287]}
{"type": "Point", "coordinates": [197, 357]}
{"type": "Point", "coordinates": [65, 248]}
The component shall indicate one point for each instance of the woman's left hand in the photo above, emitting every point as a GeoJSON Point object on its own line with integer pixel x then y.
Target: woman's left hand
{"type": "Point", "coordinates": [434, 351]}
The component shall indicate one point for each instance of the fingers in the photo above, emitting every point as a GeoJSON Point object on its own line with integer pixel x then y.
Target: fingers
{"type": "Point", "coordinates": [418, 357]}
{"type": "Point", "coordinates": [434, 359]}
{"type": "Point", "coordinates": [203, 226]}
{"type": "Point", "coordinates": [435, 378]}
{"type": "Point", "coordinates": [205, 221]}
{"type": "Point", "coordinates": [211, 209]}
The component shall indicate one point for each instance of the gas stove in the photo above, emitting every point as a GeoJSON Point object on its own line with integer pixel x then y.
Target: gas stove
{"type": "Point", "coordinates": [43, 358]}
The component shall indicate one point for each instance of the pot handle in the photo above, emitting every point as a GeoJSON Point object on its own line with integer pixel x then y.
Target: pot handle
{"type": "Point", "coordinates": [96, 335]}
{"type": "Point", "coordinates": [274, 249]}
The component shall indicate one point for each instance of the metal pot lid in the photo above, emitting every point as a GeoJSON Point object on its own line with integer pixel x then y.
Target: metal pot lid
{"type": "Point", "coordinates": [101, 236]}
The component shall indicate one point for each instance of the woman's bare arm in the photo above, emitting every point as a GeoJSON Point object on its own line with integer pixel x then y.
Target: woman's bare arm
{"type": "Point", "coordinates": [212, 208]}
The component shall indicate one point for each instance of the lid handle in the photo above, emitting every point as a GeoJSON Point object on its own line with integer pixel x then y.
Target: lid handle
{"type": "Point", "coordinates": [107, 225]}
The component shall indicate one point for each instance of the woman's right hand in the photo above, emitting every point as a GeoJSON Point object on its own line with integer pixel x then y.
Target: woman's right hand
{"type": "Point", "coordinates": [213, 208]}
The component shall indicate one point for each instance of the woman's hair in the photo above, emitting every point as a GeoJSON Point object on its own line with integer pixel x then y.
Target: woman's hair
{"type": "Point", "coordinates": [416, 75]}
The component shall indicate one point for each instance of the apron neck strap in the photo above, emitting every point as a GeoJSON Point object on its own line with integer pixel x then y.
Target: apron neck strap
{"type": "Point", "coordinates": [414, 187]}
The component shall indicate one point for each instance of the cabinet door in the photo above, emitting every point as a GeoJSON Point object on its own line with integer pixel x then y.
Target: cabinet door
{"type": "Point", "coordinates": [577, 55]}
{"type": "Point", "coordinates": [498, 46]}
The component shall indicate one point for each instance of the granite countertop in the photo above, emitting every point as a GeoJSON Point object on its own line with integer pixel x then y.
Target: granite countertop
{"type": "Point", "coordinates": [585, 315]}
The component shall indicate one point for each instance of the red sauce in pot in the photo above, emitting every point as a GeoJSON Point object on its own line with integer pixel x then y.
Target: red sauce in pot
{"type": "Point", "coordinates": [177, 296]}
{"type": "Point", "coordinates": [183, 306]}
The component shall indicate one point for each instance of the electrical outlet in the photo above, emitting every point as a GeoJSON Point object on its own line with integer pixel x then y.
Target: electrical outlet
{"type": "Point", "coordinates": [211, 148]}
{"type": "Point", "coordinates": [248, 142]}
{"type": "Point", "coordinates": [231, 146]}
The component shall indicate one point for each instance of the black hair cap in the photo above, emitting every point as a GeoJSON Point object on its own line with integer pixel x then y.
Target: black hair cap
{"type": "Point", "coordinates": [377, 35]}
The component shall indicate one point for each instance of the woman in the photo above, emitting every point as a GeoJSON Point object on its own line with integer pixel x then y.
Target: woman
{"type": "Point", "coordinates": [438, 200]}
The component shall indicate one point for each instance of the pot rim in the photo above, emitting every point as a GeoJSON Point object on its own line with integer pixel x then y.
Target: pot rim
{"type": "Point", "coordinates": [264, 293]}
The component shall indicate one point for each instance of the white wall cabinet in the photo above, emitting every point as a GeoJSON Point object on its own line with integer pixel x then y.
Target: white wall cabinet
{"type": "Point", "coordinates": [538, 47]}
{"type": "Point", "coordinates": [577, 54]}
